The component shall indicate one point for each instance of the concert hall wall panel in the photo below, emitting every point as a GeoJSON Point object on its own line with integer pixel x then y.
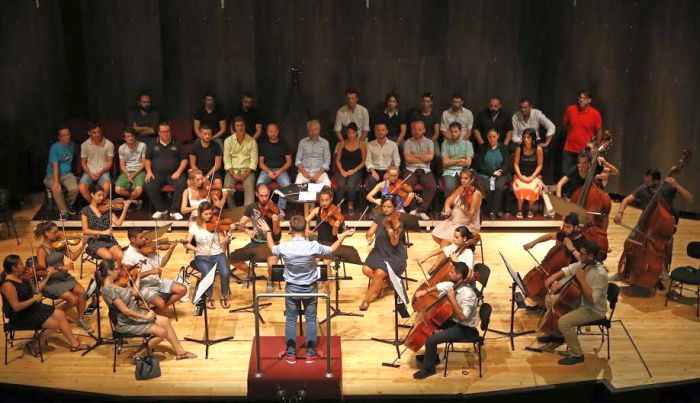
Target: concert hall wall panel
{"type": "Point", "coordinates": [89, 59]}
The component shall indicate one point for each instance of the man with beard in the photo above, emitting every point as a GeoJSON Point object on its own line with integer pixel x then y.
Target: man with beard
{"type": "Point", "coordinates": [144, 120]}
{"type": "Point", "coordinates": [493, 117]}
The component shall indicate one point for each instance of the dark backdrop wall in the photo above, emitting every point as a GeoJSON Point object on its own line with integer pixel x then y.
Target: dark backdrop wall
{"type": "Point", "coordinates": [90, 58]}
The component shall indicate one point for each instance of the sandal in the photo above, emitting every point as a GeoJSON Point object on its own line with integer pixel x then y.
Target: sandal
{"type": "Point", "coordinates": [530, 214]}
{"type": "Point", "coordinates": [210, 304]}
{"type": "Point", "coordinates": [79, 347]}
{"type": "Point", "coordinates": [185, 356]}
{"type": "Point", "coordinates": [224, 303]}
{"type": "Point", "coordinates": [30, 348]}
{"type": "Point", "coordinates": [519, 215]}
{"type": "Point", "coordinates": [364, 306]}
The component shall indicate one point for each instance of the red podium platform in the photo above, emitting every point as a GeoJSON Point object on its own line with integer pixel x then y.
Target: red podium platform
{"type": "Point", "coordinates": [292, 379]}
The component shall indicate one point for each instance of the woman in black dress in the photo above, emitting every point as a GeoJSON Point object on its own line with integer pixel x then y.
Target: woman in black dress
{"type": "Point", "coordinates": [388, 248]}
{"type": "Point", "coordinates": [99, 225]}
{"type": "Point", "coordinates": [23, 307]}
{"type": "Point", "coordinates": [349, 160]}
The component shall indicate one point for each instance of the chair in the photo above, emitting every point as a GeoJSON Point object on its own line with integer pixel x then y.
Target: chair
{"type": "Point", "coordinates": [478, 342]}
{"type": "Point", "coordinates": [484, 273]}
{"type": "Point", "coordinates": [9, 329]}
{"type": "Point", "coordinates": [6, 213]}
{"type": "Point", "coordinates": [604, 324]}
{"type": "Point", "coordinates": [90, 258]}
{"type": "Point", "coordinates": [119, 337]}
{"type": "Point", "coordinates": [687, 275]}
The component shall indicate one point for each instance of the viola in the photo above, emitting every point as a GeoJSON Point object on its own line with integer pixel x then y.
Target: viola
{"type": "Point", "coordinates": [402, 189]}
{"type": "Point", "coordinates": [61, 241]}
{"type": "Point", "coordinates": [392, 221]}
{"type": "Point", "coordinates": [644, 254]}
{"type": "Point", "coordinates": [208, 189]}
{"type": "Point", "coordinates": [115, 204]}
{"type": "Point", "coordinates": [127, 274]}
{"type": "Point", "coordinates": [29, 274]}
{"type": "Point", "coordinates": [569, 298]}
{"type": "Point", "coordinates": [269, 209]}
{"type": "Point", "coordinates": [556, 258]}
{"type": "Point", "coordinates": [332, 215]}
{"type": "Point", "coordinates": [162, 244]}
{"type": "Point", "coordinates": [220, 224]}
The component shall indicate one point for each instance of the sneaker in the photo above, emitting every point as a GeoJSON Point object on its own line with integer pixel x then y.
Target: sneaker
{"type": "Point", "coordinates": [311, 358]}
{"type": "Point", "coordinates": [176, 216]}
{"type": "Point", "coordinates": [84, 325]}
{"type": "Point", "coordinates": [423, 373]}
{"type": "Point", "coordinates": [571, 360]}
{"type": "Point", "coordinates": [413, 212]}
{"type": "Point", "coordinates": [420, 358]}
{"type": "Point", "coordinates": [423, 216]}
{"type": "Point", "coordinates": [289, 356]}
{"type": "Point", "coordinates": [270, 287]}
{"type": "Point", "coordinates": [159, 214]}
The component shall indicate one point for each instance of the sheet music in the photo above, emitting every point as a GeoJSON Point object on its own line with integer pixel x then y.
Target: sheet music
{"type": "Point", "coordinates": [307, 196]}
{"type": "Point", "coordinates": [396, 283]}
{"type": "Point", "coordinates": [204, 284]}
{"type": "Point", "coordinates": [315, 187]}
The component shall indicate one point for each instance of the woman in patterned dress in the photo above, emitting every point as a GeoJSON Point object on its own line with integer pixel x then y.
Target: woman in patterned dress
{"type": "Point", "coordinates": [99, 225]}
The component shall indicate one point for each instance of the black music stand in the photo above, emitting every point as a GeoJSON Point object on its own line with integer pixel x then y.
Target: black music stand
{"type": "Point", "coordinates": [252, 255]}
{"type": "Point", "coordinates": [234, 213]}
{"type": "Point", "coordinates": [152, 235]}
{"type": "Point", "coordinates": [99, 340]}
{"type": "Point", "coordinates": [344, 254]}
{"type": "Point", "coordinates": [516, 297]}
{"type": "Point", "coordinates": [203, 285]}
{"type": "Point", "coordinates": [400, 301]}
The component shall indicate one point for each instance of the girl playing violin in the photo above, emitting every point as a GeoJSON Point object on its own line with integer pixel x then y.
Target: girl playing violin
{"type": "Point", "coordinates": [462, 324]}
{"type": "Point", "coordinates": [133, 319]}
{"type": "Point", "coordinates": [61, 285]}
{"type": "Point", "coordinates": [23, 307]}
{"type": "Point", "coordinates": [196, 193]}
{"type": "Point", "coordinates": [461, 209]}
{"type": "Point", "coordinates": [210, 251]}
{"type": "Point", "coordinates": [100, 224]}
{"type": "Point", "coordinates": [401, 199]}
{"type": "Point", "coordinates": [327, 232]}
{"type": "Point", "coordinates": [387, 232]}
{"type": "Point", "coordinates": [461, 236]}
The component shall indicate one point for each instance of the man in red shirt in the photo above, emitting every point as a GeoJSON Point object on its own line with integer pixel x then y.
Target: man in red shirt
{"type": "Point", "coordinates": [583, 122]}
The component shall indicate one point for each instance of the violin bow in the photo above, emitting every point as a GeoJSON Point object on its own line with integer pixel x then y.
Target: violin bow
{"type": "Point", "coordinates": [138, 290]}
{"type": "Point", "coordinates": [539, 265]}
{"type": "Point", "coordinates": [65, 234]}
{"type": "Point", "coordinates": [420, 265]}
{"type": "Point", "coordinates": [36, 279]}
{"type": "Point", "coordinates": [337, 206]}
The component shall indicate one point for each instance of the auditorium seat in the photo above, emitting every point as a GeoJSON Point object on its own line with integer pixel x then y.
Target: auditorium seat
{"type": "Point", "coordinates": [182, 130]}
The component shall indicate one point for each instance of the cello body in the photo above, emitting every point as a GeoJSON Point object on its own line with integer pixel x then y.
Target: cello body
{"type": "Point", "coordinates": [569, 298]}
{"type": "Point", "coordinates": [434, 316]}
{"type": "Point", "coordinates": [556, 259]}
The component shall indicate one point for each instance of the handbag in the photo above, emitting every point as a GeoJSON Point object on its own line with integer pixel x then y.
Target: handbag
{"type": "Point", "coordinates": [147, 367]}
{"type": "Point", "coordinates": [182, 279]}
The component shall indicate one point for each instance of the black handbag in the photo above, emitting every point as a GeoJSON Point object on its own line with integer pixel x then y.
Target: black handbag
{"type": "Point", "coordinates": [147, 367]}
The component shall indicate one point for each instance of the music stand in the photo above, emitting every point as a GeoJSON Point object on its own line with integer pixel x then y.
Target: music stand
{"type": "Point", "coordinates": [564, 208]}
{"type": "Point", "coordinates": [203, 286]}
{"type": "Point", "coordinates": [517, 282]}
{"type": "Point", "coordinates": [234, 213]}
{"type": "Point", "coordinates": [344, 253]}
{"type": "Point", "coordinates": [96, 292]}
{"type": "Point", "coordinates": [254, 254]}
{"type": "Point", "coordinates": [400, 302]}
{"type": "Point", "coordinates": [158, 232]}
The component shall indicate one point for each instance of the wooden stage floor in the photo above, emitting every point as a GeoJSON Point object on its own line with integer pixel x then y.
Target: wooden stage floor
{"type": "Point", "coordinates": [666, 336]}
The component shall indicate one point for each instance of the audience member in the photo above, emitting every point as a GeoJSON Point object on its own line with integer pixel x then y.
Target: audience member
{"type": "Point", "coordinates": [240, 161]}
{"type": "Point", "coordinates": [144, 119]}
{"type": "Point", "coordinates": [350, 157]}
{"type": "Point", "coordinates": [381, 154]}
{"type": "Point", "coordinates": [351, 112]}
{"type": "Point", "coordinates": [313, 156]}
{"type": "Point", "coordinates": [492, 167]}
{"type": "Point", "coordinates": [527, 166]}
{"type": "Point", "coordinates": [96, 158]}
{"type": "Point", "coordinates": [418, 151]}
{"type": "Point", "coordinates": [211, 116]}
{"type": "Point", "coordinates": [133, 175]}
{"type": "Point", "coordinates": [457, 153]}
{"type": "Point", "coordinates": [392, 118]}
{"type": "Point", "coordinates": [165, 162]}
{"type": "Point", "coordinates": [274, 161]}
{"type": "Point", "coordinates": [59, 173]}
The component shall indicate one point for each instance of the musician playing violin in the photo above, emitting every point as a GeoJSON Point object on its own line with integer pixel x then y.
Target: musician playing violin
{"type": "Point", "coordinates": [266, 209]}
{"type": "Point", "coordinates": [461, 235]}
{"type": "Point", "coordinates": [61, 285]}
{"type": "Point", "coordinates": [576, 176]}
{"type": "Point", "coordinates": [97, 223]}
{"type": "Point", "coordinates": [327, 232]}
{"type": "Point", "coordinates": [385, 187]}
{"type": "Point", "coordinates": [461, 209]}
{"type": "Point", "coordinates": [161, 293]}
{"type": "Point", "coordinates": [196, 193]}
{"type": "Point", "coordinates": [592, 278]}
{"type": "Point", "coordinates": [462, 324]}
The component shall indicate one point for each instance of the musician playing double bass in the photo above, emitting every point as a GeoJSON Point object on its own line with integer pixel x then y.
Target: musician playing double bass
{"type": "Point", "coordinates": [462, 324]}
{"type": "Point", "coordinates": [592, 278]}
{"type": "Point", "coordinates": [576, 177]}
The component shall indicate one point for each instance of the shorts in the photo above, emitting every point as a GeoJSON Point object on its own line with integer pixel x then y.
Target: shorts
{"type": "Point", "coordinates": [104, 178]}
{"type": "Point", "coordinates": [160, 288]}
{"type": "Point", "coordinates": [123, 181]}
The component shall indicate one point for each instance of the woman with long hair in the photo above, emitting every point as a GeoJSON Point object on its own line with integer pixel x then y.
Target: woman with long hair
{"type": "Point", "coordinates": [461, 209]}
{"type": "Point", "coordinates": [528, 165]}
{"type": "Point", "coordinates": [94, 222]}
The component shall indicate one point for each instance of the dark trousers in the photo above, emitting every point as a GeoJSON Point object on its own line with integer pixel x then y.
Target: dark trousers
{"type": "Point", "coordinates": [568, 159]}
{"type": "Point", "coordinates": [372, 182]}
{"type": "Point", "coordinates": [152, 189]}
{"type": "Point", "coordinates": [494, 198]}
{"type": "Point", "coordinates": [448, 331]}
{"type": "Point", "coordinates": [347, 187]}
{"type": "Point", "coordinates": [427, 180]}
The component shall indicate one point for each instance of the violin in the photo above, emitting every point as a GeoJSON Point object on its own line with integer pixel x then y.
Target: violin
{"type": "Point", "coordinates": [332, 215]}
{"type": "Point", "coordinates": [402, 189]}
{"type": "Point", "coordinates": [269, 209]}
{"type": "Point", "coordinates": [644, 255]}
{"type": "Point", "coordinates": [220, 224]}
{"type": "Point", "coordinates": [30, 274]}
{"type": "Point", "coordinates": [162, 244]}
{"type": "Point", "coordinates": [61, 241]}
{"type": "Point", "coordinates": [115, 205]}
{"type": "Point", "coordinates": [127, 274]}
{"type": "Point", "coordinates": [215, 191]}
{"type": "Point", "coordinates": [392, 221]}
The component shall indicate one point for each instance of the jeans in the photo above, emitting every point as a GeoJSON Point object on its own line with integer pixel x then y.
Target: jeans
{"type": "Point", "coordinates": [283, 181]}
{"type": "Point", "coordinates": [86, 179]}
{"type": "Point", "coordinates": [204, 264]}
{"type": "Point", "coordinates": [291, 306]}
{"type": "Point", "coordinates": [448, 331]}
{"type": "Point", "coordinates": [372, 182]}
{"type": "Point", "coordinates": [494, 198]}
{"type": "Point", "coordinates": [429, 187]}
{"type": "Point", "coordinates": [68, 184]}
{"type": "Point", "coordinates": [451, 183]}
{"type": "Point", "coordinates": [347, 186]}
{"type": "Point", "coordinates": [152, 189]}
{"type": "Point", "coordinates": [248, 189]}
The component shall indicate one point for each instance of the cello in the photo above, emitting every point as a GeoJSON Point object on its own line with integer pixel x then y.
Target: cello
{"type": "Point", "coordinates": [556, 258]}
{"type": "Point", "coordinates": [644, 254]}
{"type": "Point", "coordinates": [568, 300]}
{"type": "Point", "coordinates": [595, 200]}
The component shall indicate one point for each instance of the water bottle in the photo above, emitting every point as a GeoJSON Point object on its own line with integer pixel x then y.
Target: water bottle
{"type": "Point", "coordinates": [492, 184]}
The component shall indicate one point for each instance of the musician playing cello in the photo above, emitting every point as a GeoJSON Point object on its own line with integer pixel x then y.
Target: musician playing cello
{"type": "Point", "coordinates": [592, 279]}
{"type": "Point", "coordinates": [462, 324]}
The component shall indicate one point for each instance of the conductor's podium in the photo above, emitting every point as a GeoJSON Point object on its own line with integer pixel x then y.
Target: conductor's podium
{"type": "Point", "coordinates": [278, 379]}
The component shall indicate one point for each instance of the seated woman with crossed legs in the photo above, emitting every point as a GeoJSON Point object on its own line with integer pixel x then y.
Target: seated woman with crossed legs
{"type": "Point", "coordinates": [100, 224]}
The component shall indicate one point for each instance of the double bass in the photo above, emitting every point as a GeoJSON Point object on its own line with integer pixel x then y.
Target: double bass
{"type": "Point", "coordinates": [644, 255]}
{"type": "Point", "coordinates": [595, 200]}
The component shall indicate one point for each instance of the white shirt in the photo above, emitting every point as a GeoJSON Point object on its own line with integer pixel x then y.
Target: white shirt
{"type": "Point", "coordinates": [537, 119]}
{"type": "Point", "coordinates": [464, 116]}
{"type": "Point", "coordinates": [344, 116]}
{"type": "Point", "coordinates": [133, 159]}
{"type": "Point", "coordinates": [382, 156]}
{"type": "Point", "coordinates": [132, 257]}
{"type": "Point", "coordinates": [466, 257]}
{"type": "Point", "coordinates": [466, 299]}
{"type": "Point", "coordinates": [206, 241]}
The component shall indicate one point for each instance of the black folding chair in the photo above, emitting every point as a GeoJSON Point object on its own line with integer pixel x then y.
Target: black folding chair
{"type": "Point", "coordinates": [120, 337]}
{"type": "Point", "coordinates": [604, 324]}
{"type": "Point", "coordinates": [10, 335]}
{"type": "Point", "coordinates": [687, 275]}
{"type": "Point", "coordinates": [477, 342]}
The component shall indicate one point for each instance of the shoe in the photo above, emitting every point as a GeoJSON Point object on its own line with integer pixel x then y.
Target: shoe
{"type": "Point", "coordinates": [423, 373]}
{"type": "Point", "coordinates": [571, 360]}
{"type": "Point", "coordinates": [270, 287]}
{"type": "Point", "coordinates": [423, 216]}
{"type": "Point", "coordinates": [83, 325]}
{"type": "Point", "coordinates": [159, 214]}
{"type": "Point", "coordinates": [414, 212]}
{"type": "Point", "coordinates": [550, 339]}
{"type": "Point", "coordinates": [492, 216]}
{"type": "Point", "coordinates": [530, 214]}
{"type": "Point", "coordinates": [519, 215]}
{"type": "Point", "coordinates": [660, 286]}
{"type": "Point", "coordinates": [420, 358]}
{"type": "Point", "coordinates": [311, 358]}
{"type": "Point", "coordinates": [289, 356]}
{"type": "Point", "coordinates": [176, 216]}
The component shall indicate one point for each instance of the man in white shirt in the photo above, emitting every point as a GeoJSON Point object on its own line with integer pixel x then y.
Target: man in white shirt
{"type": "Point", "coordinates": [381, 154]}
{"type": "Point", "coordinates": [351, 112]}
{"type": "Point", "coordinates": [96, 158]}
{"type": "Point", "coordinates": [133, 174]}
{"type": "Point", "coordinates": [530, 118]}
{"type": "Point", "coordinates": [161, 293]}
{"type": "Point", "coordinates": [461, 326]}
{"type": "Point", "coordinates": [457, 113]}
{"type": "Point", "coordinates": [313, 158]}
{"type": "Point", "coordinates": [419, 151]}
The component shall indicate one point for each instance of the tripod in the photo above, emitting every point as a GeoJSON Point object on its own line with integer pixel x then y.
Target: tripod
{"type": "Point", "coordinates": [99, 340]}
{"type": "Point", "coordinates": [399, 307]}
{"type": "Point", "coordinates": [343, 254]}
{"type": "Point", "coordinates": [514, 297]}
{"type": "Point", "coordinates": [254, 254]}
{"type": "Point", "coordinates": [202, 287]}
